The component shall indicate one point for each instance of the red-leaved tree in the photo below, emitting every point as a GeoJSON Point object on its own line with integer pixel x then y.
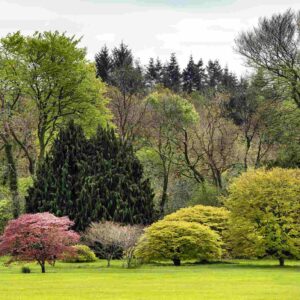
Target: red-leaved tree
{"type": "Point", "coordinates": [40, 237]}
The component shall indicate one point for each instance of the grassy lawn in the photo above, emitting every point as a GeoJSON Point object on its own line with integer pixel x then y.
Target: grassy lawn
{"type": "Point", "coordinates": [239, 280]}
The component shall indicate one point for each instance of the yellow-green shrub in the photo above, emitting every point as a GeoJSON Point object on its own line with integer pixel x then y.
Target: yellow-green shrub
{"type": "Point", "coordinates": [216, 218]}
{"type": "Point", "coordinates": [82, 254]}
{"type": "Point", "coordinates": [178, 240]}
{"type": "Point", "coordinates": [265, 213]}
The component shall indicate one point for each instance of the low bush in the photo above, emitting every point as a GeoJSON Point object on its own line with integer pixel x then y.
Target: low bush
{"type": "Point", "coordinates": [82, 253]}
{"type": "Point", "coordinates": [177, 241]}
{"type": "Point", "coordinates": [25, 270]}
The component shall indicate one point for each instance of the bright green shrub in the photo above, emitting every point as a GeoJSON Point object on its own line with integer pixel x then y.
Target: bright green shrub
{"type": "Point", "coordinates": [176, 241]}
{"type": "Point", "coordinates": [82, 254]}
{"type": "Point", "coordinates": [216, 218]}
{"type": "Point", "coordinates": [265, 214]}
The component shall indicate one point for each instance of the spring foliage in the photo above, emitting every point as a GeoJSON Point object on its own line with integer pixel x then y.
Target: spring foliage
{"type": "Point", "coordinates": [265, 210]}
{"type": "Point", "coordinates": [82, 253]}
{"type": "Point", "coordinates": [38, 237]}
{"type": "Point", "coordinates": [216, 218]}
{"type": "Point", "coordinates": [176, 241]}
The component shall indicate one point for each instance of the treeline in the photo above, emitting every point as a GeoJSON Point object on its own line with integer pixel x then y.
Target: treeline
{"type": "Point", "coordinates": [119, 64]}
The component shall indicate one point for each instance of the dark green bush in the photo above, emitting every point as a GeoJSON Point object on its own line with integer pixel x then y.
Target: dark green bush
{"type": "Point", "coordinates": [25, 270]}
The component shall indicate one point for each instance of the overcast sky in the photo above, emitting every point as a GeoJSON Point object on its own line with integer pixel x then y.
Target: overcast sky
{"type": "Point", "coordinates": [203, 28]}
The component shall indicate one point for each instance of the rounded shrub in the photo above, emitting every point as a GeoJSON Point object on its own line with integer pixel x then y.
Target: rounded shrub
{"type": "Point", "coordinates": [177, 241]}
{"type": "Point", "coordinates": [25, 270]}
{"type": "Point", "coordinates": [216, 218]}
{"type": "Point", "coordinates": [82, 253]}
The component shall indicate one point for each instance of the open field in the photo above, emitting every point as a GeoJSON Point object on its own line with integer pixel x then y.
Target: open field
{"type": "Point", "coordinates": [239, 280]}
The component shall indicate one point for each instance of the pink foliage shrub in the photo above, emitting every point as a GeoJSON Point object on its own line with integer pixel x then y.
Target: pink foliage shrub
{"type": "Point", "coordinates": [40, 237]}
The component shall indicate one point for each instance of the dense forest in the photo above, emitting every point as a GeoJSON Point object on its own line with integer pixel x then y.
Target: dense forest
{"type": "Point", "coordinates": [168, 137]}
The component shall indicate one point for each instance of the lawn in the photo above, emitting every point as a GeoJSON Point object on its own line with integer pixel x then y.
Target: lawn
{"type": "Point", "coordinates": [238, 280]}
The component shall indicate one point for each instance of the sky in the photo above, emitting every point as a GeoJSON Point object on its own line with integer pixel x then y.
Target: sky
{"type": "Point", "coordinates": [152, 28]}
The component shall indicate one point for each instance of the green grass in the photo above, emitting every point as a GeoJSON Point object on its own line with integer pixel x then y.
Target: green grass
{"type": "Point", "coordinates": [239, 280]}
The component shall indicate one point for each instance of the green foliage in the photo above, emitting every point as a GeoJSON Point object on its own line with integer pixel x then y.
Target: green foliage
{"type": "Point", "coordinates": [265, 209]}
{"type": "Point", "coordinates": [216, 218]}
{"type": "Point", "coordinates": [5, 213]}
{"type": "Point", "coordinates": [94, 179]}
{"type": "Point", "coordinates": [82, 254]}
{"type": "Point", "coordinates": [176, 241]}
{"type": "Point", "coordinates": [205, 194]}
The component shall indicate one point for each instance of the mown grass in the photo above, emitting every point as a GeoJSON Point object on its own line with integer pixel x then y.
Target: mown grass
{"type": "Point", "coordinates": [237, 280]}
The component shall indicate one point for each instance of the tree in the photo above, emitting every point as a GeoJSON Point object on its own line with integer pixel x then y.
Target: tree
{"type": "Point", "coordinates": [264, 214]}
{"type": "Point", "coordinates": [53, 73]}
{"type": "Point", "coordinates": [166, 114]}
{"type": "Point", "coordinates": [109, 238]}
{"type": "Point", "coordinates": [92, 179]}
{"type": "Point", "coordinates": [176, 241]}
{"type": "Point", "coordinates": [126, 89]}
{"type": "Point", "coordinates": [274, 46]}
{"type": "Point", "coordinates": [38, 237]}
{"type": "Point", "coordinates": [103, 63]}
{"type": "Point", "coordinates": [214, 74]}
{"type": "Point", "coordinates": [171, 74]}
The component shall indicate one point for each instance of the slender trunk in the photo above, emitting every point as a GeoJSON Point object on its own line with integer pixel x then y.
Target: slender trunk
{"type": "Point", "coordinates": [176, 262]}
{"type": "Point", "coordinates": [281, 261]}
{"type": "Point", "coordinates": [108, 261]}
{"type": "Point", "coordinates": [13, 180]}
{"type": "Point", "coordinates": [43, 267]}
{"type": "Point", "coordinates": [248, 144]}
{"type": "Point", "coordinates": [164, 197]}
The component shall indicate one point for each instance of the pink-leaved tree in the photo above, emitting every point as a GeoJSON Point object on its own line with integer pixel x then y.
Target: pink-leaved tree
{"type": "Point", "coordinates": [40, 237]}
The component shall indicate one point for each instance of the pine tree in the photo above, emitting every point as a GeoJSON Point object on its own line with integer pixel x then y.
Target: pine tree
{"type": "Point", "coordinates": [214, 74]}
{"type": "Point", "coordinates": [201, 76]}
{"type": "Point", "coordinates": [192, 76]}
{"type": "Point", "coordinates": [103, 64]}
{"type": "Point", "coordinates": [92, 180]}
{"type": "Point", "coordinates": [122, 56]}
{"type": "Point", "coordinates": [171, 74]}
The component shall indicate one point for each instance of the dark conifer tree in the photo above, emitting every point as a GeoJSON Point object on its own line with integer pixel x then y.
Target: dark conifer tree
{"type": "Point", "coordinates": [58, 180]}
{"type": "Point", "coordinates": [201, 76]}
{"type": "Point", "coordinates": [191, 77]}
{"type": "Point", "coordinates": [103, 64]}
{"type": "Point", "coordinates": [171, 74]}
{"type": "Point", "coordinates": [214, 74]}
{"type": "Point", "coordinates": [92, 180]}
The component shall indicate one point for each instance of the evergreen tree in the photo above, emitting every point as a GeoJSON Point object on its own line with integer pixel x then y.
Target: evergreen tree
{"type": "Point", "coordinates": [201, 76]}
{"type": "Point", "coordinates": [92, 180]}
{"type": "Point", "coordinates": [58, 180]}
{"type": "Point", "coordinates": [229, 80]}
{"type": "Point", "coordinates": [103, 64]}
{"type": "Point", "coordinates": [122, 56]}
{"type": "Point", "coordinates": [189, 75]}
{"type": "Point", "coordinates": [214, 74]}
{"type": "Point", "coordinates": [171, 74]}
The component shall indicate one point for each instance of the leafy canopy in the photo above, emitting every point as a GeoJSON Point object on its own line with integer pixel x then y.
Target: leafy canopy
{"type": "Point", "coordinates": [265, 209]}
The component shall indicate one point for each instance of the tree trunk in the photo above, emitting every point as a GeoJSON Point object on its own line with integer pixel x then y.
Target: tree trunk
{"type": "Point", "coordinates": [176, 262]}
{"type": "Point", "coordinates": [281, 261]}
{"type": "Point", "coordinates": [43, 267]}
{"type": "Point", "coordinates": [164, 197]}
{"type": "Point", "coordinates": [108, 262]}
{"type": "Point", "coordinates": [13, 180]}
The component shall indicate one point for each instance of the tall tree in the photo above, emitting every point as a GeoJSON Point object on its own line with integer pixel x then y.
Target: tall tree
{"type": "Point", "coordinates": [274, 46]}
{"type": "Point", "coordinates": [54, 74]}
{"type": "Point", "coordinates": [103, 63]}
{"type": "Point", "coordinates": [172, 75]}
{"type": "Point", "coordinates": [92, 180]}
{"type": "Point", "coordinates": [190, 77]}
{"type": "Point", "coordinates": [214, 74]}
